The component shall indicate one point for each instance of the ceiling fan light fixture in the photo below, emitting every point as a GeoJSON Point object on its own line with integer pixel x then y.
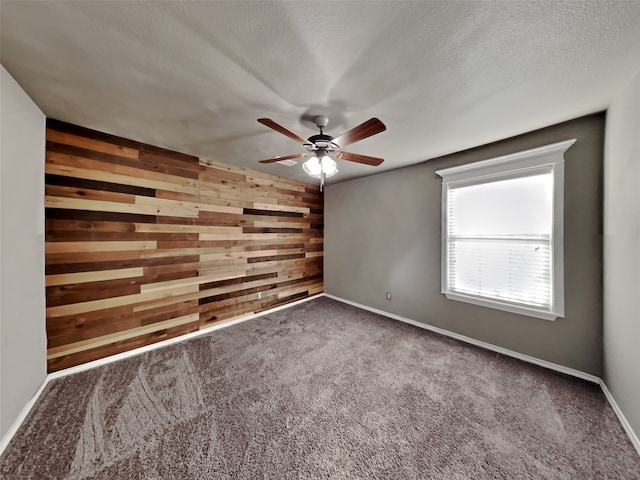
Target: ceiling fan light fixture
{"type": "Point", "coordinates": [312, 167]}
{"type": "Point", "coordinates": [329, 167]}
{"type": "Point", "coordinates": [316, 167]}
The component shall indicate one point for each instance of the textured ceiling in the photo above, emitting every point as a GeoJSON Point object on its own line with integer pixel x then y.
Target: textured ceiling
{"type": "Point", "coordinates": [443, 76]}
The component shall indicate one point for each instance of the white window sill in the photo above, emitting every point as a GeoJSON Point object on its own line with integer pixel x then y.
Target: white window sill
{"type": "Point", "coordinates": [507, 307]}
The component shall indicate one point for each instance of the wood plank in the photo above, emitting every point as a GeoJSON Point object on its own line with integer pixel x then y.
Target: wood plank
{"type": "Point", "coordinates": [278, 224]}
{"type": "Point", "coordinates": [53, 235]}
{"type": "Point", "coordinates": [272, 183]}
{"type": "Point", "coordinates": [161, 202]}
{"type": "Point", "coordinates": [91, 170]}
{"type": "Point", "coordinates": [207, 199]}
{"type": "Point", "coordinates": [174, 228]}
{"type": "Point", "coordinates": [97, 327]}
{"type": "Point", "coordinates": [72, 324]}
{"type": "Point", "coordinates": [87, 292]}
{"type": "Point", "coordinates": [209, 257]}
{"type": "Point", "coordinates": [253, 236]}
{"type": "Point", "coordinates": [95, 276]}
{"type": "Point", "coordinates": [93, 305]}
{"type": "Point", "coordinates": [62, 181]}
{"type": "Point", "coordinates": [88, 194]}
{"type": "Point", "coordinates": [280, 208]}
{"type": "Point", "coordinates": [53, 124]}
{"type": "Point", "coordinates": [66, 361]}
{"type": "Point", "coordinates": [90, 144]}
{"type": "Point", "coordinates": [104, 206]}
{"type": "Point", "coordinates": [115, 337]}
{"type": "Point", "coordinates": [111, 260]}
{"type": "Point", "coordinates": [83, 247]}
{"type": "Point", "coordinates": [67, 225]}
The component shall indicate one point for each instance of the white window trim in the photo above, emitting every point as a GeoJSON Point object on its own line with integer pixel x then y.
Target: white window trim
{"type": "Point", "coordinates": [541, 158]}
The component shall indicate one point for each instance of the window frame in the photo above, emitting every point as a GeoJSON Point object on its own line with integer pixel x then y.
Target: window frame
{"type": "Point", "coordinates": [516, 165]}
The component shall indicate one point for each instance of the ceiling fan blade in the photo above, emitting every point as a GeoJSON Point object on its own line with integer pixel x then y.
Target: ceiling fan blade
{"type": "Point", "coordinates": [356, 157]}
{"type": "Point", "coordinates": [279, 128]}
{"type": "Point", "coordinates": [286, 157]}
{"type": "Point", "coordinates": [362, 131]}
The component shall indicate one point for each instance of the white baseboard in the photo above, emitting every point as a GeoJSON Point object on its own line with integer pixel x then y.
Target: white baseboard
{"type": "Point", "coordinates": [623, 420]}
{"type": "Point", "coordinates": [130, 353]}
{"type": "Point", "coordinates": [21, 416]}
{"type": "Point", "coordinates": [478, 343]}
{"type": "Point", "coordinates": [526, 358]}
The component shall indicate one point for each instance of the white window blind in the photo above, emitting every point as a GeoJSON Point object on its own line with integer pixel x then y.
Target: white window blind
{"type": "Point", "coordinates": [502, 222]}
{"type": "Point", "coordinates": [499, 236]}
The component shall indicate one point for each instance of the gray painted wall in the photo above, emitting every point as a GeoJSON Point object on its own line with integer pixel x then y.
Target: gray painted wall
{"type": "Point", "coordinates": [23, 343]}
{"type": "Point", "coordinates": [622, 252]}
{"type": "Point", "coordinates": [382, 233]}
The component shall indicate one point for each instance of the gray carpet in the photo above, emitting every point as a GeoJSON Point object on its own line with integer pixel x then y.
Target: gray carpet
{"type": "Point", "coordinates": [320, 390]}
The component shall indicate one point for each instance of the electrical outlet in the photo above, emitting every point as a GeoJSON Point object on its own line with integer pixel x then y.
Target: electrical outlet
{"type": "Point", "coordinates": [388, 295]}
{"type": "Point", "coordinates": [259, 295]}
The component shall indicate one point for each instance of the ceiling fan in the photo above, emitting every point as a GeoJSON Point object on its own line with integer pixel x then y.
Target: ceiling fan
{"type": "Point", "coordinates": [321, 146]}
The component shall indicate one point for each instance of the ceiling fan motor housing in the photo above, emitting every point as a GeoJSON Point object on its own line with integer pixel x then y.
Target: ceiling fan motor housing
{"type": "Point", "coordinates": [321, 142]}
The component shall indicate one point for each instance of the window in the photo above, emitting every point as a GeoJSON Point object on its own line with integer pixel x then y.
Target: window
{"type": "Point", "coordinates": [502, 232]}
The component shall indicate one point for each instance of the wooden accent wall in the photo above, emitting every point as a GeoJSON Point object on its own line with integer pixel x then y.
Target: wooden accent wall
{"type": "Point", "coordinates": [144, 244]}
